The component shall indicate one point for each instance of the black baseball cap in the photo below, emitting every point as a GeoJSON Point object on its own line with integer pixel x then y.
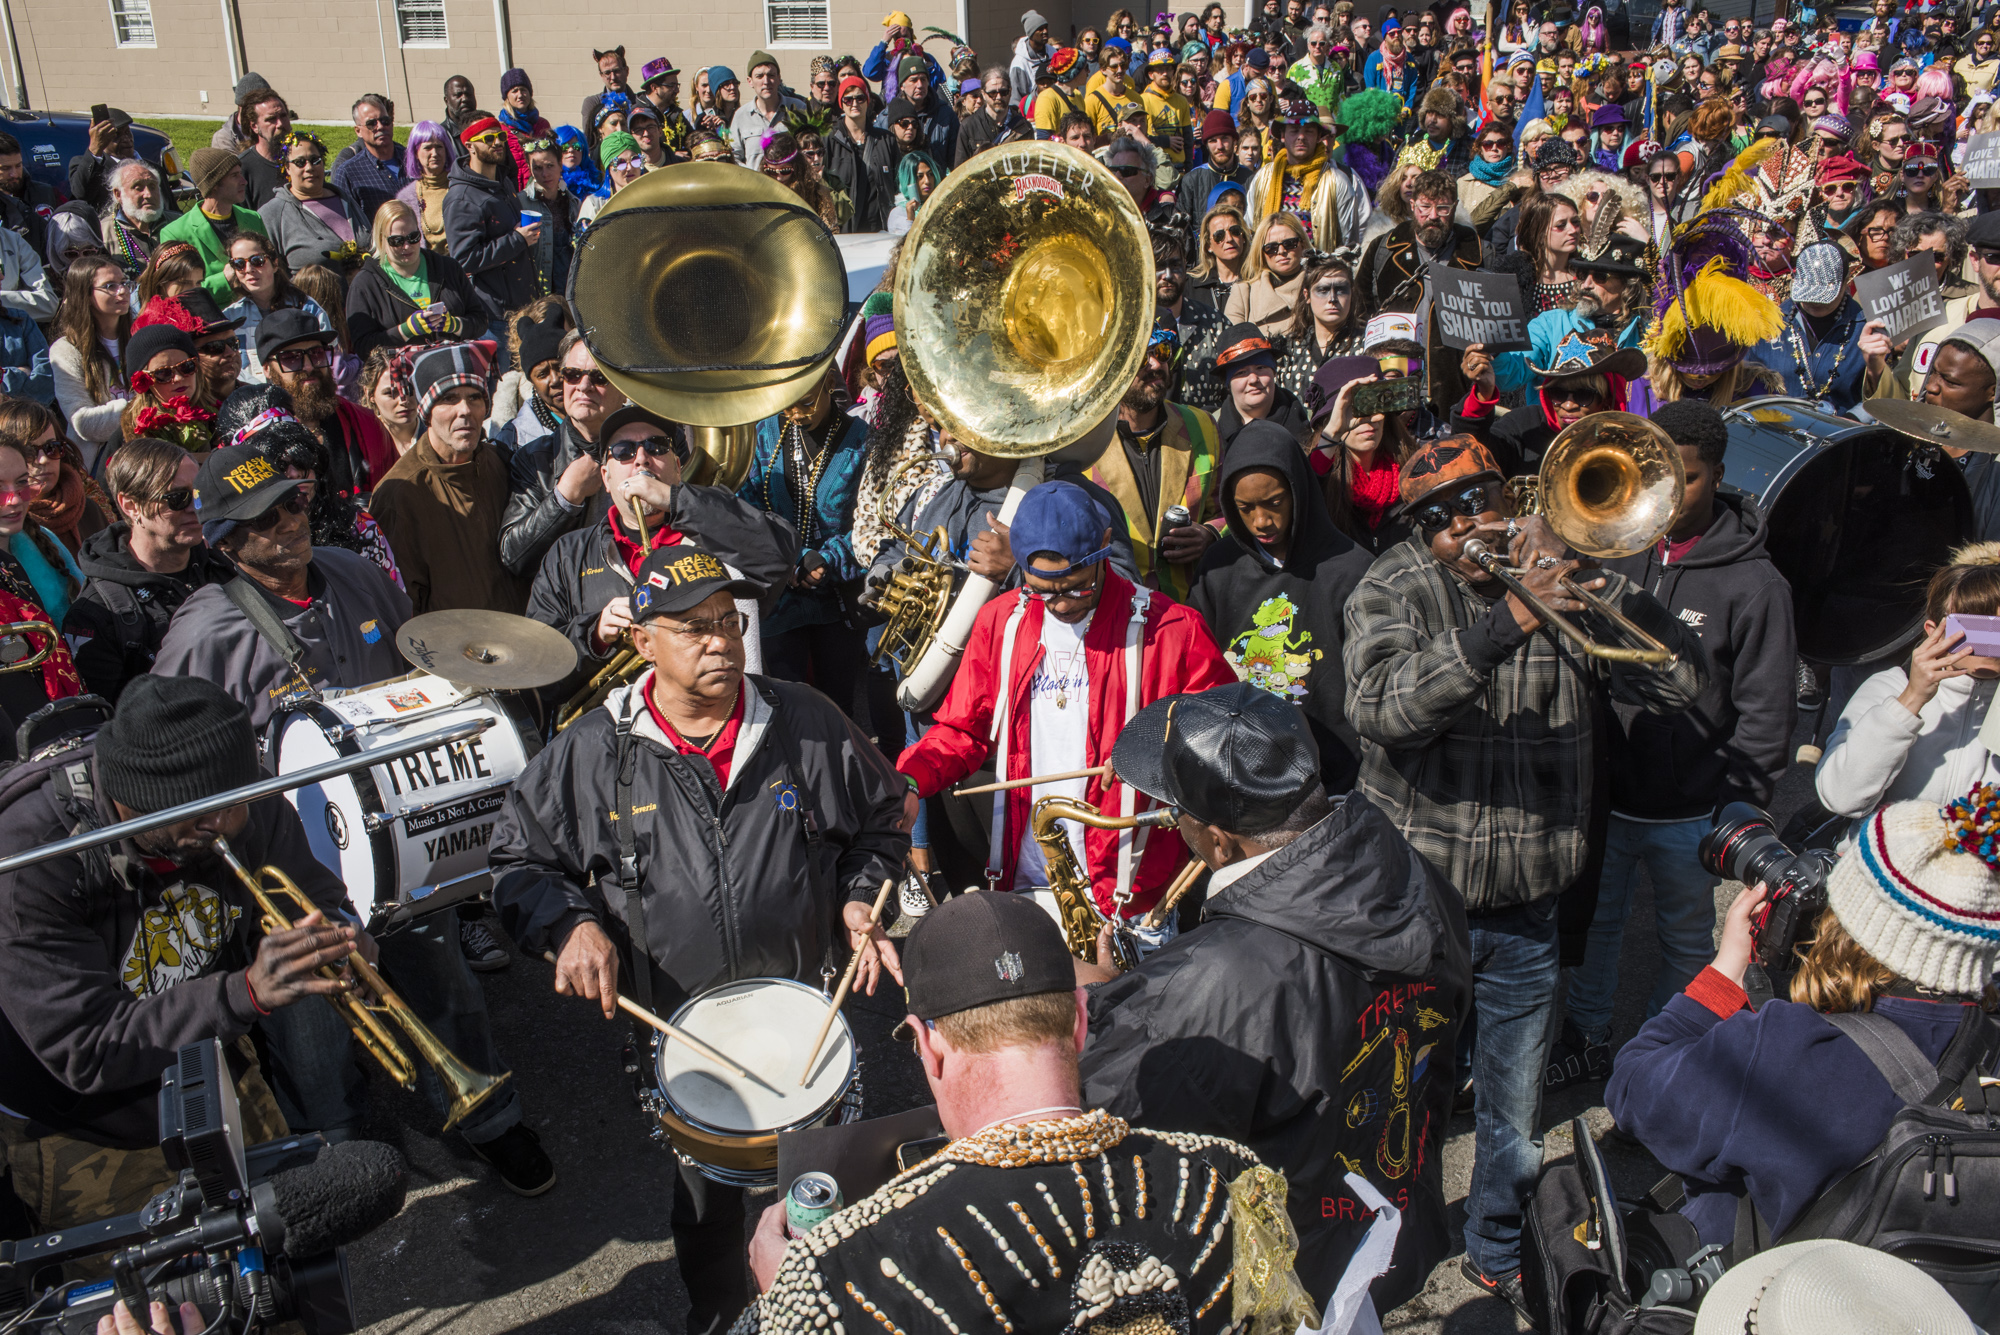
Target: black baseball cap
{"type": "Point", "coordinates": [286, 326]}
{"type": "Point", "coordinates": [674, 579]}
{"type": "Point", "coordinates": [1235, 757]}
{"type": "Point", "coordinates": [237, 483]}
{"type": "Point", "coordinates": [981, 947]}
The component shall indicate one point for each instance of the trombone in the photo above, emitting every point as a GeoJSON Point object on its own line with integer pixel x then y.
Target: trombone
{"type": "Point", "coordinates": [23, 629]}
{"type": "Point", "coordinates": [1610, 485]}
{"type": "Point", "coordinates": [469, 1088]}
{"type": "Point", "coordinates": [625, 664]}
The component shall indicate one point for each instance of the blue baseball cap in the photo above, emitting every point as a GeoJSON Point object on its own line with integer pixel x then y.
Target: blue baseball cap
{"type": "Point", "coordinates": [1059, 519]}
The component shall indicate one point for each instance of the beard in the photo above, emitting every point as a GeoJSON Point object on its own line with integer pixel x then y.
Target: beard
{"type": "Point", "coordinates": [311, 393]}
{"type": "Point", "coordinates": [1432, 235]}
{"type": "Point", "coordinates": [145, 217]}
{"type": "Point", "coordinates": [1147, 393]}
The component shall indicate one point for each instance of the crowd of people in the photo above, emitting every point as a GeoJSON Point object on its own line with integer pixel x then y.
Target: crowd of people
{"type": "Point", "coordinates": [244, 442]}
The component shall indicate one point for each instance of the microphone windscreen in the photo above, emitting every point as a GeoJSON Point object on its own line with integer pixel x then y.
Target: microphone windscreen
{"type": "Point", "coordinates": [348, 1192]}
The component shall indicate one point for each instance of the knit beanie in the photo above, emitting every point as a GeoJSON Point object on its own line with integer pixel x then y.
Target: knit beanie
{"type": "Point", "coordinates": [1919, 892]}
{"type": "Point", "coordinates": [174, 740]}
{"type": "Point", "coordinates": [210, 168]}
{"type": "Point", "coordinates": [615, 146]}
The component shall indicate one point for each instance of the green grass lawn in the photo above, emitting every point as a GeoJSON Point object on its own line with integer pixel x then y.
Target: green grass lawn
{"type": "Point", "coordinates": [188, 135]}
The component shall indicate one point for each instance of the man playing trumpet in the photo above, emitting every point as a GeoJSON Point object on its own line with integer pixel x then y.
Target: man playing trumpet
{"type": "Point", "coordinates": [1051, 673]}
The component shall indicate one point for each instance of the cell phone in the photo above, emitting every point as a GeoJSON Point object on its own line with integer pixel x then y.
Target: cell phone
{"type": "Point", "coordinates": [1982, 634]}
{"type": "Point", "coordinates": [913, 1152]}
{"type": "Point", "coordinates": [1388, 396]}
{"type": "Point", "coordinates": [99, 113]}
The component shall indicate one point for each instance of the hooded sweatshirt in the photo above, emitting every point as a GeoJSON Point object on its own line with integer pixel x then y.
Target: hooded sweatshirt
{"type": "Point", "coordinates": [1734, 742]}
{"type": "Point", "coordinates": [1279, 622]}
{"type": "Point", "coordinates": [1314, 1015]}
{"type": "Point", "coordinates": [116, 624]}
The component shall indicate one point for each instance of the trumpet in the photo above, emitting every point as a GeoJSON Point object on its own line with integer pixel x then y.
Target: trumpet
{"type": "Point", "coordinates": [1071, 886]}
{"type": "Point", "coordinates": [468, 1087]}
{"type": "Point", "coordinates": [623, 667]}
{"type": "Point", "coordinates": [24, 629]}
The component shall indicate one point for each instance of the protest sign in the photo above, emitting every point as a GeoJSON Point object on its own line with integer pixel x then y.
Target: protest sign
{"type": "Point", "coordinates": [1473, 306]}
{"type": "Point", "coordinates": [1903, 298]}
{"type": "Point", "coordinates": [1982, 160]}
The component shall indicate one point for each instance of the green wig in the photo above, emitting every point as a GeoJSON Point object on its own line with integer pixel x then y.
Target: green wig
{"type": "Point", "coordinates": [1369, 116]}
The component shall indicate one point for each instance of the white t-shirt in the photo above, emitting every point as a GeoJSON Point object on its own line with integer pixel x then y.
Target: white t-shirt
{"type": "Point", "coordinates": [1058, 736]}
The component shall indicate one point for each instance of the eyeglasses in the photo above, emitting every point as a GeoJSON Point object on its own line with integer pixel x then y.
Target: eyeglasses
{"type": "Point", "coordinates": [1878, 233]}
{"type": "Point", "coordinates": [264, 523]}
{"type": "Point", "coordinates": [114, 287]}
{"type": "Point", "coordinates": [1436, 515]}
{"type": "Point", "coordinates": [1329, 291]}
{"type": "Point", "coordinates": [576, 375]}
{"type": "Point", "coordinates": [1076, 590]}
{"type": "Point", "coordinates": [220, 347]}
{"type": "Point", "coordinates": [179, 370]}
{"type": "Point", "coordinates": [656, 447]}
{"type": "Point", "coordinates": [730, 627]}
{"type": "Point", "coordinates": [243, 263]}
{"type": "Point", "coordinates": [1284, 247]}
{"type": "Point", "coordinates": [294, 360]}
{"type": "Point", "coordinates": [1129, 170]}
{"type": "Point", "coordinates": [401, 239]}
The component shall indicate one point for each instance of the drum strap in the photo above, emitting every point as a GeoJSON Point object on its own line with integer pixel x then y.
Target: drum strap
{"type": "Point", "coordinates": [250, 600]}
{"type": "Point", "coordinates": [629, 879]}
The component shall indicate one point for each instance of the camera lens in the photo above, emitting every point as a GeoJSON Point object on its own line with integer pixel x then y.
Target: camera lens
{"type": "Point", "coordinates": [1743, 845]}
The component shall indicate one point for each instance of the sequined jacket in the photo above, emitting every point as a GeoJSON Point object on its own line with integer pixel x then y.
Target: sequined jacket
{"type": "Point", "coordinates": [1083, 1225]}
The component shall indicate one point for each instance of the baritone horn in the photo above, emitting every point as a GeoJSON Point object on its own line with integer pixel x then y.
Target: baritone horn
{"type": "Point", "coordinates": [22, 630]}
{"type": "Point", "coordinates": [1024, 305]}
{"type": "Point", "coordinates": [1610, 485]}
{"type": "Point", "coordinates": [713, 296]}
{"type": "Point", "coordinates": [467, 1087]}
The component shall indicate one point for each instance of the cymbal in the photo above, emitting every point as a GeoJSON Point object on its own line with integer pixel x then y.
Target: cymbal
{"type": "Point", "coordinates": [1935, 426]}
{"type": "Point", "coordinates": [487, 650]}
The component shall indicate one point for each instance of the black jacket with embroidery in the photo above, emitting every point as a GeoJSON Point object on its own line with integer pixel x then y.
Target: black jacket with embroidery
{"type": "Point", "coordinates": [116, 624]}
{"type": "Point", "coordinates": [107, 968]}
{"type": "Point", "coordinates": [742, 882]}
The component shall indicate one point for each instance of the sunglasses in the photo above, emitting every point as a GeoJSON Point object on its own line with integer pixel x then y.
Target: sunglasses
{"type": "Point", "coordinates": [656, 447]}
{"type": "Point", "coordinates": [376, 122]}
{"type": "Point", "coordinates": [1129, 170]}
{"type": "Point", "coordinates": [628, 164]}
{"type": "Point", "coordinates": [220, 347]}
{"type": "Point", "coordinates": [488, 138]}
{"type": "Point", "coordinates": [293, 360]}
{"type": "Point", "coordinates": [576, 375]}
{"type": "Point", "coordinates": [243, 263]}
{"type": "Point", "coordinates": [1987, 256]}
{"type": "Point", "coordinates": [41, 454]}
{"type": "Point", "coordinates": [1226, 234]}
{"type": "Point", "coordinates": [316, 160]}
{"type": "Point", "coordinates": [861, 99]}
{"type": "Point", "coordinates": [1922, 169]}
{"type": "Point", "coordinates": [1436, 516]}
{"type": "Point", "coordinates": [404, 239]}
{"type": "Point", "coordinates": [181, 370]}
{"type": "Point", "coordinates": [180, 498]}
{"type": "Point", "coordinates": [1282, 247]}
{"type": "Point", "coordinates": [1897, 142]}
{"type": "Point", "coordinates": [264, 523]}
{"type": "Point", "coordinates": [1667, 177]}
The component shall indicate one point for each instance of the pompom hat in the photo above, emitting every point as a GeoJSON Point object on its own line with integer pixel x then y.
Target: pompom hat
{"type": "Point", "coordinates": [1920, 893]}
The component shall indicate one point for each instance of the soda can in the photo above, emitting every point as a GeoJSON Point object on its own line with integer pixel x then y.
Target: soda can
{"type": "Point", "coordinates": [813, 1197]}
{"type": "Point", "coordinates": [1177, 516]}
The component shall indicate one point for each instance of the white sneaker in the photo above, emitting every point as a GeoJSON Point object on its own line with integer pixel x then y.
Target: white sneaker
{"type": "Point", "coordinates": [914, 896]}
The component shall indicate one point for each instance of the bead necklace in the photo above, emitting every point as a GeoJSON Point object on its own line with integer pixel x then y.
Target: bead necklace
{"type": "Point", "coordinates": [1796, 333]}
{"type": "Point", "coordinates": [803, 472]}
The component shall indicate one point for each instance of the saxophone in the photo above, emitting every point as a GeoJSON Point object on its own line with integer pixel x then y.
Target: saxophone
{"type": "Point", "coordinates": [1067, 882]}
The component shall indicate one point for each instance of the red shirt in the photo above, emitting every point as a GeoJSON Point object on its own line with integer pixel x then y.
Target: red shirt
{"type": "Point", "coordinates": [720, 752]}
{"type": "Point", "coordinates": [662, 536]}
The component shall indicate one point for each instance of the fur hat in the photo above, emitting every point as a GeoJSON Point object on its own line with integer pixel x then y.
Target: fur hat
{"type": "Point", "coordinates": [1441, 101]}
{"type": "Point", "coordinates": [1920, 894]}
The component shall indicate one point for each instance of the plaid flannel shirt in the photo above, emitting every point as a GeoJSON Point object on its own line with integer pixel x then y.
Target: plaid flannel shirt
{"type": "Point", "coordinates": [1477, 739]}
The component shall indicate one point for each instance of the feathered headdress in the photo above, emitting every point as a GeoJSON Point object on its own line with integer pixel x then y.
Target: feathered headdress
{"type": "Point", "coordinates": [810, 119]}
{"type": "Point", "coordinates": [1775, 180]}
{"type": "Point", "coordinates": [168, 311]}
{"type": "Point", "coordinates": [1705, 313]}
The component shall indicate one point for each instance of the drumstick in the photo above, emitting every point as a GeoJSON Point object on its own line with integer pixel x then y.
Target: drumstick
{"type": "Point", "coordinates": [846, 981]}
{"type": "Point", "coordinates": [1182, 884]}
{"type": "Point", "coordinates": [1090, 773]}
{"type": "Point", "coordinates": [638, 1012]}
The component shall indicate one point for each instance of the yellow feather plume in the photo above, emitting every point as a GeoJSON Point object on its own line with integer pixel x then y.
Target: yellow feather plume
{"type": "Point", "coordinates": [1736, 182]}
{"type": "Point", "coordinates": [1716, 301]}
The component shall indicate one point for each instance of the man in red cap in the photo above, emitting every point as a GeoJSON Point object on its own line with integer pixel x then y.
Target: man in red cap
{"type": "Point", "coordinates": [1217, 136]}
{"type": "Point", "coordinates": [482, 223]}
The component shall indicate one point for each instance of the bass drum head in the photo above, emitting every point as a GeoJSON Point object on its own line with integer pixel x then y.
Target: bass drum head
{"type": "Point", "coordinates": [1858, 518]}
{"type": "Point", "coordinates": [334, 811]}
{"type": "Point", "coordinates": [765, 1025]}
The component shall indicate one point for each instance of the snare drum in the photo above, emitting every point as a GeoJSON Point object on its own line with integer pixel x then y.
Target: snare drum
{"type": "Point", "coordinates": [727, 1127]}
{"type": "Point", "coordinates": [398, 831]}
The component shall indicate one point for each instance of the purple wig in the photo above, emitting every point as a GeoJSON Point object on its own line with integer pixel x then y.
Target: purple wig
{"type": "Point", "coordinates": [424, 132]}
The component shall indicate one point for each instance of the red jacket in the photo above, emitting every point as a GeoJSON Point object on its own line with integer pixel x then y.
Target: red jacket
{"type": "Point", "coordinates": [1177, 655]}
{"type": "Point", "coordinates": [377, 449]}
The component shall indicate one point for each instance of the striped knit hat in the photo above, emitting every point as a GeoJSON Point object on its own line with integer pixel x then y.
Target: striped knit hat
{"type": "Point", "coordinates": [1920, 892]}
{"type": "Point", "coordinates": [437, 370]}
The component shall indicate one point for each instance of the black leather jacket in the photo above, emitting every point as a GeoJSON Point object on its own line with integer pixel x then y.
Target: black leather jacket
{"type": "Point", "coordinates": [535, 515]}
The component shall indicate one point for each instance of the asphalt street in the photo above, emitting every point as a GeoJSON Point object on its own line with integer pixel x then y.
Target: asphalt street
{"type": "Point", "coordinates": [595, 1254]}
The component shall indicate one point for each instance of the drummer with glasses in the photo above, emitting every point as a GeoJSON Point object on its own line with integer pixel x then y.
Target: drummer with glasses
{"type": "Point", "coordinates": [705, 825]}
{"type": "Point", "coordinates": [296, 620]}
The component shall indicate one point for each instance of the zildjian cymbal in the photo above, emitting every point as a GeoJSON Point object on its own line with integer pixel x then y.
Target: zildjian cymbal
{"type": "Point", "coordinates": [487, 650]}
{"type": "Point", "coordinates": [1935, 426]}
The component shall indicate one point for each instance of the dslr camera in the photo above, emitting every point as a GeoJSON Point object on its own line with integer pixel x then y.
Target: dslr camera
{"type": "Point", "coordinates": [252, 1236]}
{"type": "Point", "coordinates": [1744, 846]}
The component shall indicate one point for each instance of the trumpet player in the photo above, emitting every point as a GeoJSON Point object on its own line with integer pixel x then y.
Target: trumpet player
{"type": "Point", "coordinates": [1064, 662]}
{"type": "Point", "coordinates": [585, 584]}
{"type": "Point", "coordinates": [111, 959]}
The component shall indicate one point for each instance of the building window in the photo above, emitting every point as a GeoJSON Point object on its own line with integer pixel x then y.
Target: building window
{"type": "Point", "coordinates": [421, 23]}
{"type": "Point", "coordinates": [798, 22]}
{"type": "Point", "coordinates": [132, 22]}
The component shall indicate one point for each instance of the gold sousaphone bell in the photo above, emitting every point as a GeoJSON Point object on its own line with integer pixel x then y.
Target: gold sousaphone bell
{"type": "Point", "coordinates": [713, 296]}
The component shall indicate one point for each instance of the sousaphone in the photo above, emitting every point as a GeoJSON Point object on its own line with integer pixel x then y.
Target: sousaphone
{"type": "Point", "coordinates": [712, 295]}
{"type": "Point", "coordinates": [1024, 305]}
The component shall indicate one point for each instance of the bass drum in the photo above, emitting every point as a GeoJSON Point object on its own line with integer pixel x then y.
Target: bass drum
{"type": "Point", "coordinates": [1858, 518]}
{"type": "Point", "coordinates": [402, 830]}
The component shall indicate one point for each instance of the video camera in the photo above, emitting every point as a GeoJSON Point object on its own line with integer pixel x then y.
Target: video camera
{"type": "Point", "coordinates": [1744, 846]}
{"type": "Point", "coordinates": [251, 1236]}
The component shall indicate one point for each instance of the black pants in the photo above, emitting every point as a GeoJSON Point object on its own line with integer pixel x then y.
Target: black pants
{"type": "Point", "coordinates": [832, 657]}
{"type": "Point", "coordinates": [714, 1259]}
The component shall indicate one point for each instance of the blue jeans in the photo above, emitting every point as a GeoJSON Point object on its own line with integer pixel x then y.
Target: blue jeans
{"type": "Point", "coordinates": [315, 1072]}
{"type": "Point", "coordinates": [1514, 974]}
{"type": "Point", "coordinates": [1683, 914]}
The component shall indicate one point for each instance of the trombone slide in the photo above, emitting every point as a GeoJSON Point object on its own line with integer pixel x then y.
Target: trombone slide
{"type": "Point", "coordinates": [1651, 651]}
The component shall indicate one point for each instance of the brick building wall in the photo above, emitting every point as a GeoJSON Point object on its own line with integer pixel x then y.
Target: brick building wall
{"type": "Point", "coordinates": [322, 56]}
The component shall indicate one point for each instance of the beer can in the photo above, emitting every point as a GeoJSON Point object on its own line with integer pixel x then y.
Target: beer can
{"type": "Point", "coordinates": [1177, 516]}
{"type": "Point", "coordinates": [813, 1197]}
